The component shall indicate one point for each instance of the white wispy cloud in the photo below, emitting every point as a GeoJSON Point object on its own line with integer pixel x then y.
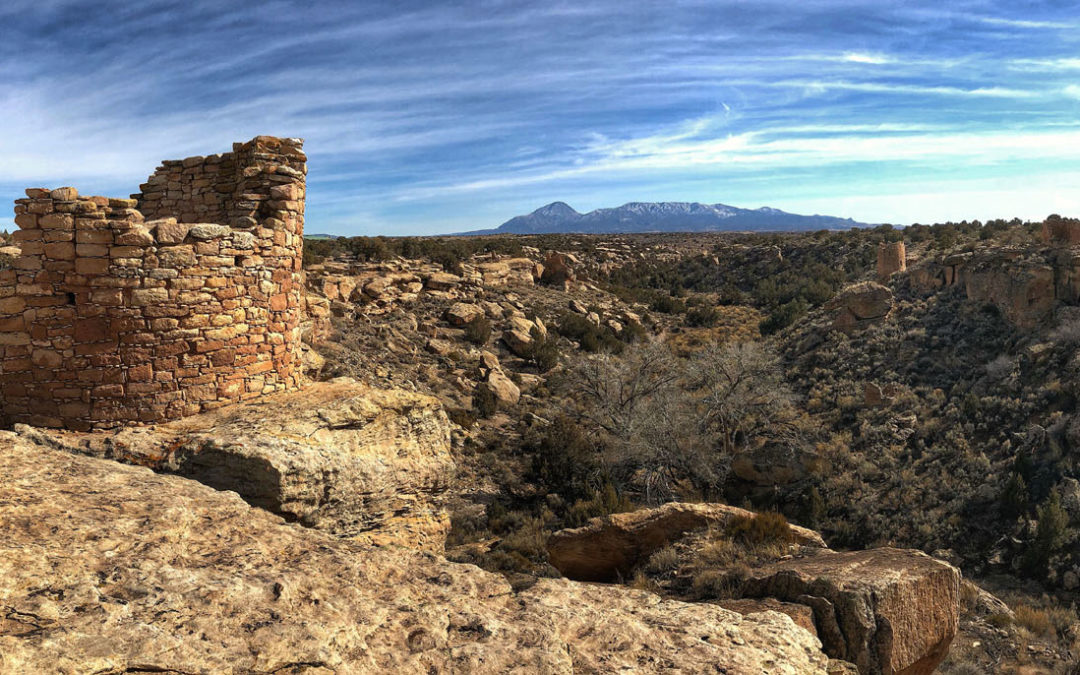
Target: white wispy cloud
{"type": "Point", "coordinates": [899, 88]}
{"type": "Point", "coordinates": [1046, 64]}
{"type": "Point", "coordinates": [1022, 23]}
{"type": "Point", "coordinates": [785, 147]}
{"type": "Point", "coordinates": [862, 57]}
{"type": "Point", "coordinates": [416, 110]}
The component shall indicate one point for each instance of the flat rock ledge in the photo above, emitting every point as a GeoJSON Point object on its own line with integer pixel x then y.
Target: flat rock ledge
{"type": "Point", "coordinates": [110, 568]}
{"type": "Point", "coordinates": [339, 456]}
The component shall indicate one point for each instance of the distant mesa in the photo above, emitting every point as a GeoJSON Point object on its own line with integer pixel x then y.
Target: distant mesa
{"type": "Point", "coordinates": [666, 217]}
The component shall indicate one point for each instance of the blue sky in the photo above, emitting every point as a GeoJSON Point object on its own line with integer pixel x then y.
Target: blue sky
{"type": "Point", "coordinates": [427, 117]}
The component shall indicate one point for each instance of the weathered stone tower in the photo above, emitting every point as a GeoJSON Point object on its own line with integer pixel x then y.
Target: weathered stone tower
{"type": "Point", "coordinates": [891, 258]}
{"type": "Point", "coordinates": [1058, 231]}
{"type": "Point", "coordinates": [183, 298]}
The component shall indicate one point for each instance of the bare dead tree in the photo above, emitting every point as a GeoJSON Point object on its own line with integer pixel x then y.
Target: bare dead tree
{"type": "Point", "coordinates": [744, 399]}
{"type": "Point", "coordinates": [665, 421]}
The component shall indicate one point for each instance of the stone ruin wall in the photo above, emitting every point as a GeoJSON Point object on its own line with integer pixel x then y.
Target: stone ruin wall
{"type": "Point", "coordinates": [891, 259]}
{"type": "Point", "coordinates": [184, 298]}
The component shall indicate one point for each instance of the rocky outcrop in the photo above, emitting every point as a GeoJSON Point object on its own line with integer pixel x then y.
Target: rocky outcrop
{"type": "Point", "coordinates": [802, 615]}
{"type": "Point", "coordinates": [888, 611]}
{"type": "Point", "coordinates": [1023, 292]}
{"type": "Point", "coordinates": [875, 394]}
{"type": "Point", "coordinates": [610, 547]}
{"type": "Point", "coordinates": [340, 456]}
{"type": "Point", "coordinates": [1024, 283]}
{"type": "Point", "coordinates": [442, 281]}
{"type": "Point", "coordinates": [509, 272]}
{"type": "Point", "coordinates": [860, 305]}
{"type": "Point", "coordinates": [108, 568]}
{"type": "Point", "coordinates": [315, 326]}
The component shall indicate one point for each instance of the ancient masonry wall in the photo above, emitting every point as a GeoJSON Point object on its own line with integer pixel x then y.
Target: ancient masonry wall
{"type": "Point", "coordinates": [891, 258]}
{"type": "Point", "coordinates": [184, 298]}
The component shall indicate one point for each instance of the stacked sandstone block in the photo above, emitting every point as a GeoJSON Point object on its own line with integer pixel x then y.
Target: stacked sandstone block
{"type": "Point", "coordinates": [891, 259]}
{"type": "Point", "coordinates": [109, 318]}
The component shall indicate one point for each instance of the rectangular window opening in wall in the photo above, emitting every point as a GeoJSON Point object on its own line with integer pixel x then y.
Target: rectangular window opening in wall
{"type": "Point", "coordinates": [71, 298]}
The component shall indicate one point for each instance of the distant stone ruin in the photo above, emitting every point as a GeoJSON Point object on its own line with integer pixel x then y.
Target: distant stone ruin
{"type": "Point", "coordinates": [891, 259]}
{"type": "Point", "coordinates": [181, 299]}
{"type": "Point", "coordinates": [1060, 231]}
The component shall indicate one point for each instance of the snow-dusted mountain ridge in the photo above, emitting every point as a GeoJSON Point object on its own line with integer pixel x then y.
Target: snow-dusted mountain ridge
{"type": "Point", "coordinates": [666, 217]}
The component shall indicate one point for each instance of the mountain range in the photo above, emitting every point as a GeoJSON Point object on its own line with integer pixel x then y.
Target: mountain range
{"type": "Point", "coordinates": [665, 217]}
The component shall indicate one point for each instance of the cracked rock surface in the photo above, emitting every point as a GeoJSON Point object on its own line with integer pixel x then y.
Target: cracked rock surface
{"type": "Point", "coordinates": [356, 461]}
{"type": "Point", "coordinates": [111, 568]}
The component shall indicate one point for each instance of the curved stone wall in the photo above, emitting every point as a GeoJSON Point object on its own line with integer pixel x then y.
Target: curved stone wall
{"type": "Point", "coordinates": [184, 298]}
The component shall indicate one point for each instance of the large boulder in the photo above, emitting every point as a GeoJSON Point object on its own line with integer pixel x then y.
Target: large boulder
{"type": "Point", "coordinates": [339, 456]}
{"type": "Point", "coordinates": [889, 611]}
{"type": "Point", "coordinates": [518, 335]}
{"type": "Point", "coordinates": [860, 305]}
{"type": "Point", "coordinates": [461, 313]}
{"type": "Point", "coordinates": [557, 270]}
{"type": "Point", "coordinates": [502, 388]}
{"type": "Point", "coordinates": [108, 568]}
{"type": "Point", "coordinates": [442, 281]}
{"type": "Point", "coordinates": [610, 547]}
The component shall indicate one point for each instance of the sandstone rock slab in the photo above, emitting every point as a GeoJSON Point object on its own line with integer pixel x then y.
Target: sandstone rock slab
{"type": "Point", "coordinates": [609, 547]}
{"type": "Point", "coordinates": [110, 568]}
{"type": "Point", "coordinates": [860, 305]}
{"type": "Point", "coordinates": [502, 388]}
{"type": "Point", "coordinates": [461, 313]}
{"type": "Point", "coordinates": [889, 611]}
{"type": "Point", "coordinates": [340, 456]}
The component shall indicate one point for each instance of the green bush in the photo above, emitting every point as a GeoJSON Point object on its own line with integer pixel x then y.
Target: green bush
{"type": "Point", "coordinates": [667, 304]}
{"type": "Point", "coordinates": [1014, 497]}
{"type": "Point", "coordinates": [564, 460]}
{"type": "Point", "coordinates": [702, 317]}
{"type": "Point", "coordinates": [783, 316]}
{"type": "Point", "coordinates": [603, 502]}
{"type": "Point", "coordinates": [484, 402]}
{"type": "Point", "coordinates": [592, 338]}
{"type": "Point", "coordinates": [1051, 534]}
{"type": "Point", "coordinates": [543, 351]}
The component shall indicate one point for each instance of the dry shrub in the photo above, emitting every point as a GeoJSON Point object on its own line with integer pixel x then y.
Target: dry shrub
{"type": "Point", "coordinates": [1046, 622]}
{"type": "Point", "coordinates": [663, 561]}
{"type": "Point", "coordinates": [761, 529]}
{"type": "Point", "coordinates": [643, 582]}
{"type": "Point", "coordinates": [969, 595]}
{"type": "Point", "coordinates": [718, 551]}
{"type": "Point", "coordinates": [719, 584]}
{"type": "Point", "coordinates": [1037, 621]}
{"type": "Point", "coordinates": [999, 620]}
